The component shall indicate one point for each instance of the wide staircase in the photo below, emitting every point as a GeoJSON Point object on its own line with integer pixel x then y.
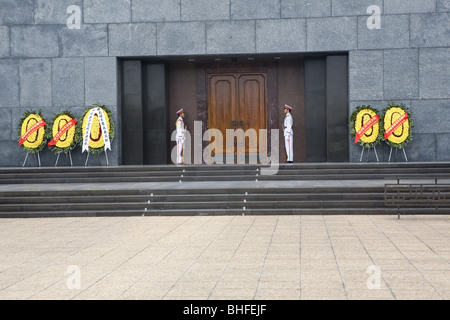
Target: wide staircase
{"type": "Point", "coordinates": [313, 188]}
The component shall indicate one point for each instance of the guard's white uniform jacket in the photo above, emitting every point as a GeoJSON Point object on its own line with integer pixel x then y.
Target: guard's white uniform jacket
{"type": "Point", "coordinates": [289, 137]}
{"type": "Point", "coordinates": [180, 139]}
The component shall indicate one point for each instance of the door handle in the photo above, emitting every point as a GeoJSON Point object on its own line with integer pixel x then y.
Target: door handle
{"type": "Point", "coordinates": [241, 123]}
{"type": "Point", "coordinates": [233, 123]}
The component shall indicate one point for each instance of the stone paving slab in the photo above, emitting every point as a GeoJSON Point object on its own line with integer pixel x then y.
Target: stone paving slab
{"type": "Point", "coordinates": [226, 258]}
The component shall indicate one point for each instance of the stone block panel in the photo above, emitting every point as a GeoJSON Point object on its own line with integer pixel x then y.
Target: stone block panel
{"type": "Point", "coordinates": [331, 34]}
{"type": "Point", "coordinates": [180, 38]}
{"type": "Point", "coordinates": [16, 114]}
{"type": "Point", "coordinates": [224, 37]}
{"type": "Point", "coordinates": [135, 39]}
{"type": "Point", "coordinates": [366, 75]}
{"type": "Point", "coordinates": [443, 5]}
{"type": "Point", "coordinates": [68, 82]}
{"type": "Point", "coordinates": [443, 147]}
{"type": "Point", "coordinates": [401, 74]}
{"type": "Point", "coordinates": [4, 41]}
{"type": "Point", "coordinates": [155, 10]}
{"type": "Point", "coordinates": [34, 41]}
{"type": "Point", "coordinates": [281, 35]}
{"type": "Point", "coordinates": [434, 71]}
{"type": "Point", "coordinates": [353, 7]}
{"type": "Point", "coordinates": [430, 30]}
{"type": "Point", "coordinates": [202, 10]}
{"type": "Point", "coordinates": [423, 147]}
{"type": "Point", "coordinates": [107, 11]}
{"type": "Point", "coordinates": [431, 116]}
{"type": "Point", "coordinates": [305, 8]}
{"type": "Point", "coordinates": [16, 12]}
{"type": "Point", "coordinates": [410, 6]}
{"type": "Point", "coordinates": [5, 124]}
{"type": "Point", "coordinates": [100, 81]}
{"type": "Point", "coordinates": [250, 9]}
{"type": "Point", "coordinates": [393, 33]}
{"type": "Point", "coordinates": [54, 11]}
{"type": "Point", "coordinates": [35, 83]}
{"type": "Point", "coordinates": [377, 104]}
{"type": "Point", "coordinates": [9, 83]}
{"type": "Point", "coordinates": [89, 40]}
{"type": "Point", "coordinates": [12, 155]}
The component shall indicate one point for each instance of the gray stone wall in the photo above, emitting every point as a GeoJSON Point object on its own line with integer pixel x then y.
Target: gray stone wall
{"type": "Point", "coordinates": [46, 65]}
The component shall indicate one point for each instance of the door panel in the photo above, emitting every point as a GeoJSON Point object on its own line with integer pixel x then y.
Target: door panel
{"type": "Point", "coordinates": [222, 107]}
{"type": "Point", "coordinates": [252, 107]}
{"type": "Point", "coordinates": [238, 101]}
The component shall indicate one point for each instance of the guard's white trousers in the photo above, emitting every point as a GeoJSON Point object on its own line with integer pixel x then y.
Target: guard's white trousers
{"type": "Point", "coordinates": [289, 146]}
{"type": "Point", "coordinates": [180, 147]}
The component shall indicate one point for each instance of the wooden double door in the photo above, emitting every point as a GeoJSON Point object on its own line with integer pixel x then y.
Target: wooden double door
{"type": "Point", "coordinates": [238, 100]}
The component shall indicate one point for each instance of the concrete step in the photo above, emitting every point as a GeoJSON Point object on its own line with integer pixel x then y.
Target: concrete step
{"type": "Point", "coordinates": [280, 200]}
{"type": "Point", "coordinates": [191, 199]}
{"type": "Point", "coordinates": [197, 212]}
{"type": "Point", "coordinates": [61, 180]}
{"type": "Point", "coordinates": [117, 174]}
{"type": "Point", "coordinates": [290, 204]}
{"type": "Point", "coordinates": [22, 198]}
{"type": "Point", "coordinates": [219, 189]}
{"type": "Point", "coordinates": [211, 205]}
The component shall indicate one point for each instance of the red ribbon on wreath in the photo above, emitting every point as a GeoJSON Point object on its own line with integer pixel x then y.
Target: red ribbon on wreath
{"type": "Point", "coordinates": [61, 131]}
{"type": "Point", "coordinates": [31, 130]}
{"type": "Point", "coordinates": [369, 124]}
{"type": "Point", "coordinates": [395, 125]}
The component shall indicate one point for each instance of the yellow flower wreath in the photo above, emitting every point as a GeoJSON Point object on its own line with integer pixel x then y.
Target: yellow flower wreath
{"type": "Point", "coordinates": [67, 138]}
{"type": "Point", "coordinates": [401, 133]}
{"type": "Point", "coordinates": [362, 117]}
{"type": "Point", "coordinates": [36, 138]}
{"type": "Point", "coordinates": [96, 139]}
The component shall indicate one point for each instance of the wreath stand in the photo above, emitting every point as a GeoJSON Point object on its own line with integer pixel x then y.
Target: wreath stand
{"type": "Point", "coordinates": [69, 155]}
{"type": "Point", "coordinates": [368, 149]}
{"type": "Point", "coordinates": [87, 158]}
{"type": "Point", "coordinates": [396, 151]}
{"type": "Point", "coordinates": [38, 157]}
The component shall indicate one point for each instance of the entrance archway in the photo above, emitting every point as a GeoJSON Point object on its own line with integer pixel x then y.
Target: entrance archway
{"type": "Point", "coordinates": [235, 93]}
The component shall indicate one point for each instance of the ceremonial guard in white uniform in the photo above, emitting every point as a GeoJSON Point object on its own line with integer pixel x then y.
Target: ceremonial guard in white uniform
{"type": "Point", "coordinates": [288, 134]}
{"type": "Point", "coordinates": [181, 129]}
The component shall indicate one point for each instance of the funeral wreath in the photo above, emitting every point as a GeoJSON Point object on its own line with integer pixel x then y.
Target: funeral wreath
{"type": "Point", "coordinates": [62, 139]}
{"type": "Point", "coordinates": [396, 125]}
{"type": "Point", "coordinates": [365, 126]}
{"type": "Point", "coordinates": [33, 131]}
{"type": "Point", "coordinates": [96, 130]}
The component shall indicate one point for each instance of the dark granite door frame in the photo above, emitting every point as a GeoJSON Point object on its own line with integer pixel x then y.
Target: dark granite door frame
{"type": "Point", "coordinates": [144, 118]}
{"type": "Point", "coordinates": [326, 109]}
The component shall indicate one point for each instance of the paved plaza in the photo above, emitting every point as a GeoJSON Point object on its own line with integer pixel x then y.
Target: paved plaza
{"type": "Point", "coordinates": [226, 257]}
